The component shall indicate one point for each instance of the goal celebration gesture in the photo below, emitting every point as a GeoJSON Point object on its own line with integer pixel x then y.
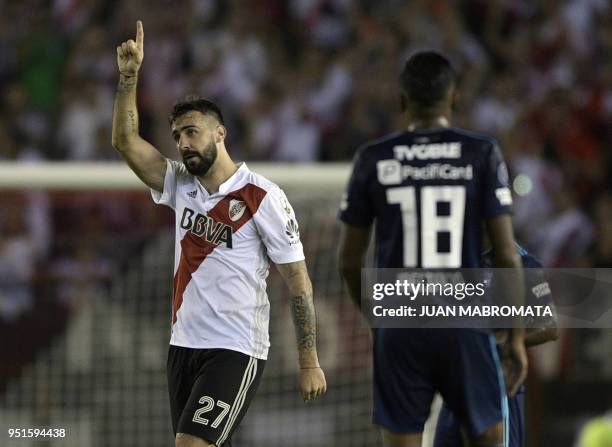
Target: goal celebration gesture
{"type": "Point", "coordinates": [231, 223]}
{"type": "Point", "coordinates": [130, 54]}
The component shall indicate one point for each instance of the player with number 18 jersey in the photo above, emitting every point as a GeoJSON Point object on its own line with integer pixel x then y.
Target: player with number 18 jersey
{"type": "Point", "coordinates": [429, 190]}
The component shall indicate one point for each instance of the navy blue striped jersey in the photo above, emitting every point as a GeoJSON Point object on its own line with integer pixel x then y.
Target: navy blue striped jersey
{"type": "Point", "coordinates": [428, 192]}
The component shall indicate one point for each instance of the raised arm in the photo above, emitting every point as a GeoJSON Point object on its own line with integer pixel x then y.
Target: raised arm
{"type": "Point", "coordinates": [146, 161]}
{"type": "Point", "coordinates": [312, 379]}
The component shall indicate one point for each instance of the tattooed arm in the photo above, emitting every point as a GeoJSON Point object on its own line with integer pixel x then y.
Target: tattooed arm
{"type": "Point", "coordinates": [312, 379]}
{"type": "Point", "coordinates": [146, 161]}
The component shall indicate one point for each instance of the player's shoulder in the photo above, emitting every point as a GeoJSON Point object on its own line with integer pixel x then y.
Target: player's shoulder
{"type": "Point", "coordinates": [373, 149]}
{"type": "Point", "coordinates": [177, 167]}
{"type": "Point", "coordinates": [376, 149]}
{"type": "Point", "coordinates": [271, 195]}
{"type": "Point", "coordinates": [485, 140]}
{"type": "Point", "coordinates": [178, 170]}
{"type": "Point", "coordinates": [262, 183]}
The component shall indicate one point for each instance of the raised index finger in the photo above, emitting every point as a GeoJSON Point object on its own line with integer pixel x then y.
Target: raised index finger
{"type": "Point", "coordinates": [139, 34]}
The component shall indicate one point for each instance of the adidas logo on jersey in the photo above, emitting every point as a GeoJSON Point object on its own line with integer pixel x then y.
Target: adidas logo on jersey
{"type": "Point", "coordinates": [207, 228]}
{"type": "Point", "coordinates": [193, 194]}
{"type": "Point", "coordinates": [427, 151]}
{"type": "Point", "coordinates": [236, 209]}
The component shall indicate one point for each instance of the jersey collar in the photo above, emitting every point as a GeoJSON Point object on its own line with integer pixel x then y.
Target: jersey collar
{"type": "Point", "coordinates": [441, 122]}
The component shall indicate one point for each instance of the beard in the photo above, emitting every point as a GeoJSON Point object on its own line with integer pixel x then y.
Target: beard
{"type": "Point", "coordinates": [199, 163]}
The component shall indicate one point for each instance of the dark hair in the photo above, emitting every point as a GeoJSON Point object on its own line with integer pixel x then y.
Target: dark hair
{"type": "Point", "coordinates": [198, 103]}
{"type": "Point", "coordinates": [426, 78]}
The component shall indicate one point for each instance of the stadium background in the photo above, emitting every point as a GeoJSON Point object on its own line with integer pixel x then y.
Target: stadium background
{"type": "Point", "coordinates": [85, 276]}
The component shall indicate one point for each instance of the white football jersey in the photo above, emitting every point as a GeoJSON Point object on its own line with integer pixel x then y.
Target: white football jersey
{"type": "Point", "coordinates": [223, 243]}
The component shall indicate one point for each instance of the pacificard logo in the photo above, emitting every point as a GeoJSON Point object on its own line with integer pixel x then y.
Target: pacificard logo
{"type": "Point", "coordinates": [393, 171]}
{"type": "Point", "coordinates": [427, 151]}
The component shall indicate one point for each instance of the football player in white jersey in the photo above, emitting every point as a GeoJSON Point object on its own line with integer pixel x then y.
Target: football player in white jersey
{"type": "Point", "coordinates": [229, 223]}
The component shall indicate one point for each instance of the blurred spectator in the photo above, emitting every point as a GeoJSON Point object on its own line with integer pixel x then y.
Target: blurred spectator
{"type": "Point", "coordinates": [18, 256]}
{"type": "Point", "coordinates": [42, 54]}
{"type": "Point", "coordinates": [496, 111]}
{"type": "Point", "coordinates": [299, 135]}
{"type": "Point", "coordinates": [88, 110]}
{"type": "Point", "coordinates": [602, 248]}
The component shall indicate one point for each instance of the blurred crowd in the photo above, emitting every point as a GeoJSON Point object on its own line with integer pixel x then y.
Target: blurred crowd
{"type": "Point", "coordinates": [312, 80]}
{"type": "Point", "coordinates": [298, 81]}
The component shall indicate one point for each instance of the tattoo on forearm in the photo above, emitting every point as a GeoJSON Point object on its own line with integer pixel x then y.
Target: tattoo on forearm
{"type": "Point", "coordinates": [125, 113]}
{"type": "Point", "coordinates": [127, 84]}
{"type": "Point", "coordinates": [303, 312]}
{"type": "Point", "coordinates": [132, 121]}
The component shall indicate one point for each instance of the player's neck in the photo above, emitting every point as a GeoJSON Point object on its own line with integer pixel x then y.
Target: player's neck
{"type": "Point", "coordinates": [425, 123]}
{"type": "Point", "coordinates": [221, 170]}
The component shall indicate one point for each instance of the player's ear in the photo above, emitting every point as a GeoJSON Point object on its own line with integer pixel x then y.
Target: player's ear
{"type": "Point", "coordinates": [220, 133]}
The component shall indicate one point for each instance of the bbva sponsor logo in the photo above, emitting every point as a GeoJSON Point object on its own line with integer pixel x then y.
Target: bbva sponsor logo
{"type": "Point", "coordinates": [204, 226]}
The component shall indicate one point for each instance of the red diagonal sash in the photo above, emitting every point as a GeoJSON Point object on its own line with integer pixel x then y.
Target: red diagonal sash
{"type": "Point", "coordinates": [194, 249]}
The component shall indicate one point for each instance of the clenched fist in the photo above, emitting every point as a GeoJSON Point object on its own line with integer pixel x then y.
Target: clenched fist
{"type": "Point", "coordinates": [130, 53]}
{"type": "Point", "coordinates": [312, 383]}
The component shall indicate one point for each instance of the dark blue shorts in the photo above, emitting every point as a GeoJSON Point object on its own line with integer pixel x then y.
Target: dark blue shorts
{"type": "Point", "coordinates": [448, 430]}
{"type": "Point", "coordinates": [410, 365]}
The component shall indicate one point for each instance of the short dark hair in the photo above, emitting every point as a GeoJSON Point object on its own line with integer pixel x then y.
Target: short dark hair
{"type": "Point", "coordinates": [198, 103]}
{"type": "Point", "coordinates": [426, 78]}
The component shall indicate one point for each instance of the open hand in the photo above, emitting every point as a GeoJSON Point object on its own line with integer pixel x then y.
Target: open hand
{"type": "Point", "coordinates": [130, 53]}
